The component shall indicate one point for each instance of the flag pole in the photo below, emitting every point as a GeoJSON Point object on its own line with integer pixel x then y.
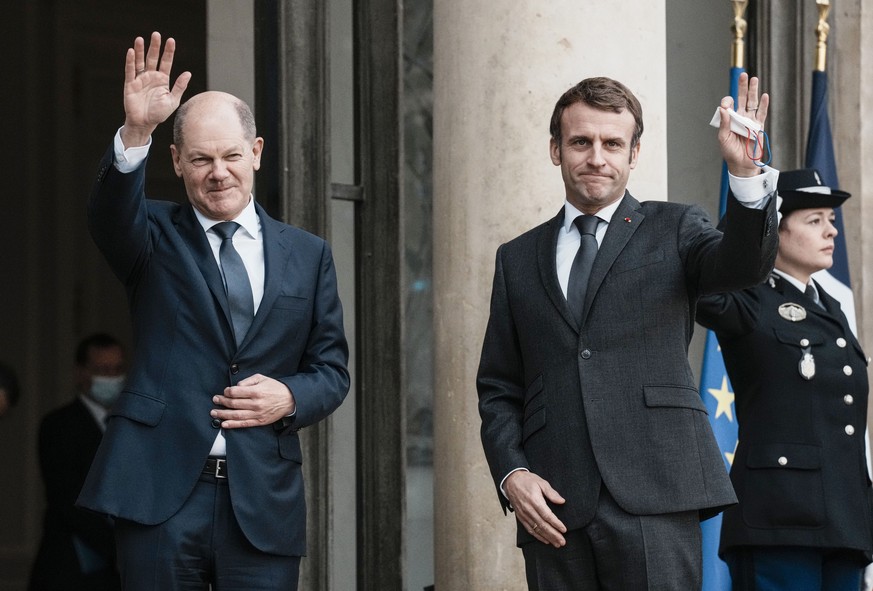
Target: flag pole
{"type": "Point", "coordinates": [715, 388]}
{"type": "Point", "coordinates": [738, 53]}
{"type": "Point", "coordinates": [738, 65]}
{"type": "Point", "coordinates": [821, 31]}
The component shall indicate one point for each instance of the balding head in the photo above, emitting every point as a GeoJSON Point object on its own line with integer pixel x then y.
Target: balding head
{"type": "Point", "coordinates": [212, 103]}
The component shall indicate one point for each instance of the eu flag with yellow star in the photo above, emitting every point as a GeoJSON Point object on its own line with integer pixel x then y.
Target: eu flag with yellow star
{"type": "Point", "coordinates": [718, 395]}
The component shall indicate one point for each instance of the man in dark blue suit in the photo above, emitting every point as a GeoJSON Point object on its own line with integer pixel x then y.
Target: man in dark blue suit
{"type": "Point", "coordinates": [201, 463]}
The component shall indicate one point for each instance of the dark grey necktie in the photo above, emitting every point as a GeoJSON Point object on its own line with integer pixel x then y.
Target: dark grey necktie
{"type": "Point", "coordinates": [236, 281]}
{"type": "Point", "coordinates": [812, 293]}
{"type": "Point", "coordinates": [581, 269]}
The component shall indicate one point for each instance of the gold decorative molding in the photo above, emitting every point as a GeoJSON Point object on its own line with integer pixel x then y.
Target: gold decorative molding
{"type": "Point", "coordinates": [821, 32]}
{"type": "Point", "coordinates": [738, 53]}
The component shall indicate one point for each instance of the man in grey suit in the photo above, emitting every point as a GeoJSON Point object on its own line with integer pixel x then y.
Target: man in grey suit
{"type": "Point", "coordinates": [592, 425]}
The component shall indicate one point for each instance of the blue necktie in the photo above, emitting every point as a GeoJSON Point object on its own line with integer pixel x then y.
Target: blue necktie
{"type": "Point", "coordinates": [581, 269]}
{"type": "Point", "coordinates": [236, 281]}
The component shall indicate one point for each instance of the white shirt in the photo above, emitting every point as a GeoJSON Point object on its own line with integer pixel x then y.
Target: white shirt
{"type": "Point", "coordinates": [247, 240]}
{"type": "Point", "coordinates": [799, 284]}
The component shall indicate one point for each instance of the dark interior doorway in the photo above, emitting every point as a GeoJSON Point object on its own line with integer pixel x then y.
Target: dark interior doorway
{"type": "Point", "coordinates": [63, 71]}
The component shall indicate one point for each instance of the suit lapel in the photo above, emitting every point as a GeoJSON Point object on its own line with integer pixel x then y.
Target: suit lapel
{"type": "Point", "coordinates": [547, 246]}
{"type": "Point", "coordinates": [625, 221]}
{"type": "Point", "coordinates": [277, 249]}
{"type": "Point", "coordinates": [194, 236]}
{"type": "Point", "coordinates": [835, 310]}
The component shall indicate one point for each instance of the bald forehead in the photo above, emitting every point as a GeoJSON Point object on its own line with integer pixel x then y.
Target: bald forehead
{"type": "Point", "coordinates": [211, 98]}
{"type": "Point", "coordinates": [218, 110]}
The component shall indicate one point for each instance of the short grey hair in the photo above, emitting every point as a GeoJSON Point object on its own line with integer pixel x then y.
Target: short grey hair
{"type": "Point", "coordinates": [246, 119]}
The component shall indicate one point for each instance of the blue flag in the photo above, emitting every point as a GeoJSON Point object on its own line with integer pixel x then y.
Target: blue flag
{"type": "Point", "coordinates": [718, 395]}
{"type": "Point", "coordinates": [820, 155]}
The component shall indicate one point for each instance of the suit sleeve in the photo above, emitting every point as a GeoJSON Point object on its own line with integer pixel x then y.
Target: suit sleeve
{"type": "Point", "coordinates": [739, 258]}
{"type": "Point", "coordinates": [500, 384]}
{"type": "Point", "coordinates": [118, 218]}
{"type": "Point", "coordinates": [322, 382]}
{"type": "Point", "coordinates": [730, 314]}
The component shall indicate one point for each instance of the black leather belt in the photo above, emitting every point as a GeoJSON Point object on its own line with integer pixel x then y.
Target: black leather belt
{"type": "Point", "coordinates": [216, 467]}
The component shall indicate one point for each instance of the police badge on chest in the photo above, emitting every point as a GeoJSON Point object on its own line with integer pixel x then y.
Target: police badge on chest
{"type": "Point", "coordinates": [806, 365]}
{"type": "Point", "coordinates": [796, 313]}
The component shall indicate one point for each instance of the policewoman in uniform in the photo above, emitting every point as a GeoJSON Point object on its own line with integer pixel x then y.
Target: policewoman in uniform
{"type": "Point", "coordinates": [799, 376]}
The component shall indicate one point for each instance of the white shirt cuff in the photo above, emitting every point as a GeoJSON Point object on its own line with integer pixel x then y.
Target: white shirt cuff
{"type": "Point", "coordinates": [507, 476]}
{"type": "Point", "coordinates": [753, 191]}
{"type": "Point", "coordinates": [128, 160]}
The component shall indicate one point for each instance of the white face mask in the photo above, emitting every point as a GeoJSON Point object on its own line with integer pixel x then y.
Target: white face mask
{"type": "Point", "coordinates": [106, 389]}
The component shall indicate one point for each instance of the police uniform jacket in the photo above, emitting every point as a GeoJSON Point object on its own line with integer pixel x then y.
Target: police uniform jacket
{"type": "Point", "coordinates": [800, 469]}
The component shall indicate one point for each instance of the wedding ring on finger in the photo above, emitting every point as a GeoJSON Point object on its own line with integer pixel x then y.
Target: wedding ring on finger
{"type": "Point", "coordinates": [535, 527]}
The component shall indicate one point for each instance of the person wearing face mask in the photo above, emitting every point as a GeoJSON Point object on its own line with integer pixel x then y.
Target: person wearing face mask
{"type": "Point", "coordinates": [77, 550]}
{"type": "Point", "coordinates": [803, 522]}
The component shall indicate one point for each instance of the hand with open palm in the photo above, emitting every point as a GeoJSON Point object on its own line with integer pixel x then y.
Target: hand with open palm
{"type": "Point", "coordinates": [148, 98]}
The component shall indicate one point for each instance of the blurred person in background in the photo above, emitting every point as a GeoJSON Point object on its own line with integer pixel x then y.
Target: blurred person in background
{"type": "Point", "coordinates": [77, 550]}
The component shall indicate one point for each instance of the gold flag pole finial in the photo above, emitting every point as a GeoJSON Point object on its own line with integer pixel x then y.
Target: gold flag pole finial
{"type": "Point", "coordinates": [739, 30]}
{"type": "Point", "coordinates": [821, 31]}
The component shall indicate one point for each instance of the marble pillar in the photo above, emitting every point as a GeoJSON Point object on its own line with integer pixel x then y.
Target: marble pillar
{"type": "Point", "coordinates": [851, 97]}
{"type": "Point", "coordinates": [499, 67]}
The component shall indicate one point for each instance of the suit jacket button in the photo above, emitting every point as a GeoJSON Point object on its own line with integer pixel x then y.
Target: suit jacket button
{"type": "Point", "coordinates": [585, 354]}
{"type": "Point", "coordinates": [783, 461]}
{"type": "Point", "coordinates": [841, 343]}
{"type": "Point", "coordinates": [847, 369]}
{"type": "Point", "coordinates": [216, 423]}
{"type": "Point", "coordinates": [234, 369]}
{"type": "Point", "coordinates": [849, 399]}
{"type": "Point", "coordinates": [850, 430]}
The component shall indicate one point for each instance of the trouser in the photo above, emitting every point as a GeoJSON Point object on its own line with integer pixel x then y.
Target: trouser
{"type": "Point", "coordinates": [202, 545]}
{"type": "Point", "coordinates": [618, 551]}
{"type": "Point", "coordinates": [787, 568]}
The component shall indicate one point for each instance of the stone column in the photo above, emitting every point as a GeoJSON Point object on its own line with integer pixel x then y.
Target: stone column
{"type": "Point", "coordinates": [851, 94]}
{"type": "Point", "coordinates": [499, 67]}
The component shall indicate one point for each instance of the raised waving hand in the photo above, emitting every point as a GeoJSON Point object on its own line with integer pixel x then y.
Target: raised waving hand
{"type": "Point", "coordinates": [148, 98]}
{"type": "Point", "coordinates": [735, 149]}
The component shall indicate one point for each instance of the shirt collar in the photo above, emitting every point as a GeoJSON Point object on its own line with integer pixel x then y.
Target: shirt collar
{"type": "Point", "coordinates": [605, 214]}
{"type": "Point", "coordinates": [795, 282]}
{"type": "Point", "coordinates": [248, 219]}
{"type": "Point", "coordinates": [98, 412]}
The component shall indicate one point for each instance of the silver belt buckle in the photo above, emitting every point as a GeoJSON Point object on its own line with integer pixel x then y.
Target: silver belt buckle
{"type": "Point", "coordinates": [220, 468]}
